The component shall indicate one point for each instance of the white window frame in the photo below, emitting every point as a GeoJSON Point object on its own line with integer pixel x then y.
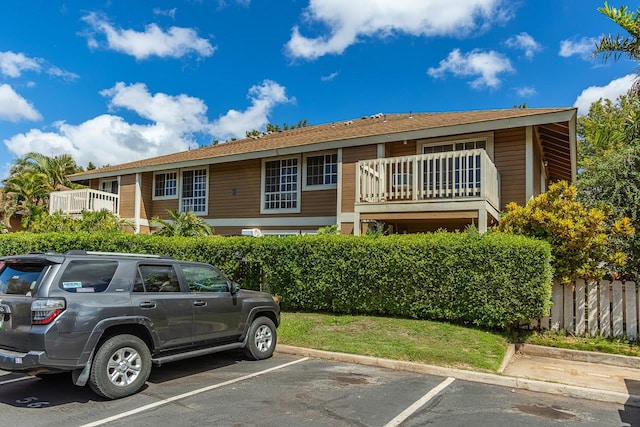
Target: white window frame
{"type": "Point", "coordinates": [165, 197]}
{"type": "Point", "coordinates": [263, 209]}
{"type": "Point", "coordinates": [206, 189]}
{"type": "Point", "coordinates": [111, 180]}
{"type": "Point", "coordinates": [307, 187]}
{"type": "Point", "coordinates": [486, 136]}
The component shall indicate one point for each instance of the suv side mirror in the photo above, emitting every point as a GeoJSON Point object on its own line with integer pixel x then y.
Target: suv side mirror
{"type": "Point", "coordinates": [233, 288]}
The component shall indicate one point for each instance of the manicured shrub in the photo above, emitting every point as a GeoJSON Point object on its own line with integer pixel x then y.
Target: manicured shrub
{"type": "Point", "coordinates": [492, 280]}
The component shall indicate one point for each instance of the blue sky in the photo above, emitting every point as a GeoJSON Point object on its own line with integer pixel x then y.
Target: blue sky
{"type": "Point", "coordinates": [115, 81]}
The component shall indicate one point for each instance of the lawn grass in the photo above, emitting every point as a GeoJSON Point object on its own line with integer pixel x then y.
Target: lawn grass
{"type": "Point", "coordinates": [420, 341]}
{"type": "Point", "coordinates": [423, 341]}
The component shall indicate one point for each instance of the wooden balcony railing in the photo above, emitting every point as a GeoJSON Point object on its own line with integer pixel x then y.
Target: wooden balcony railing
{"type": "Point", "coordinates": [74, 202]}
{"type": "Point", "coordinates": [438, 176]}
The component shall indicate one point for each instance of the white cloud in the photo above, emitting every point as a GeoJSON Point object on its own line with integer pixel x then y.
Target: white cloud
{"type": "Point", "coordinates": [182, 113]}
{"type": "Point", "coordinates": [263, 99]}
{"type": "Point", "coordinates": [329, 77]}
{"type": "Point", "coordinates": [66, 75]}
{"type": "Point", "coordinates": [611, 91]}
{"type": "Point", "coordinates": [171, 13]}
{"type": "Point", "coordinates": [349, 21]}
{"type": "Point", "coordinates": [173, 122]}
{"type": "Point", "coordinates": [14, 108]}
{"type": "Point", "coordinates": [486, 65]}
{"type": "Point", "coordinates": [176, 42]}
{"type": "Point", "coordinates": [13, 64]}
{"type": "Point", "coordinates": [524, 42]}
{"type": "Point", "coordinates": [526, 91]}
{"type": "Point", "coordinates": [583, 47]}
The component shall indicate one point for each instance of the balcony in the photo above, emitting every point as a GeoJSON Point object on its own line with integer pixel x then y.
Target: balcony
{"type": "Point", "coordinates": [74, 202]}
{"type": "Point", "coordinates": [444, 178]}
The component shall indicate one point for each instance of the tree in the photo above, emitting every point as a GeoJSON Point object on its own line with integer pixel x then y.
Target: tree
{"type": "Point", "coordinates": [31, 179]}
{"type": "Point", "coordinates": [583, 241]}
{"type": "Point", "coordinates": [621, 45]}
{"type": "Point", "coordinates": [182, 224]}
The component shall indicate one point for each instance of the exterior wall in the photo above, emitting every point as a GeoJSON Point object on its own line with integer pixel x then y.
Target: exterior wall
{"type": "Point", "coordinates": [509, 158]}
{"type": "Point", "coordinates": [234, 189]}
{"type": "Point", "coordinates": [146, 189]}
{"type": "Point", "coordinates": [350, 157]}
{"type": "Point", "coordinates": [537, 168]}
{"type": "Point", "coordinates": [400, 148]}
{"type": "Point", "coordinates": [127, 195]}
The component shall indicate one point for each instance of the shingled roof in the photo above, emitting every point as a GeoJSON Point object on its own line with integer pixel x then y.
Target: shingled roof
{"type": "Point", "coordinates": [345, 131]}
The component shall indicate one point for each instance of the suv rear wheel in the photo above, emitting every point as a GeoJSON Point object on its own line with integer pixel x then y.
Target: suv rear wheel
{"type": "Point", "coordinates": [261, 340]}
{"type": "Point", "coordinates": [120, 367]}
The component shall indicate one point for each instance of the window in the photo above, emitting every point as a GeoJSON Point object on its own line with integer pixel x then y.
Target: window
{"type": "Point", "coordinates": [321, 171]}
{"type": "Point", "coordinates": [88, 276]}
{"type": "Point", "coordinates": [156, 278]}
{"type": "Point", "coordinates": [204, 279]}
{"type": "Point", "coordinates": [165, 185]}
{"type": "Point", "coordinates": [458, 174]}
{"type": "Point", "coordinates": [194, 191]}
{"type": "Point", "coordinates": [281, 184]}
{"type": "Point", "coordinates": [110, 186]}
{"type": "Point", "coordinates": [20, 278]}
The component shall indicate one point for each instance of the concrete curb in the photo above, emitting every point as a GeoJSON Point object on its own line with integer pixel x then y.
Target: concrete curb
{"type": "Point", "coordinates": [579, 356]}
{"type": "Point", "coordinates": [479, 377]}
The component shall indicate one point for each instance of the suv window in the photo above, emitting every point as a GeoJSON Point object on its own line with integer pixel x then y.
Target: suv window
{"type": "Point", "coordinates": [156, 278]}
{"type": "Point", "coordinates": [19, 278]}
{"type": "Point", "coordinates": [204, 279]}
{"type": "Point", "coordinates": [88, 276]}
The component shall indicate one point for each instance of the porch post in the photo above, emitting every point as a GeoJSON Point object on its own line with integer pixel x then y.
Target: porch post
{"type": "Point", "coordinates": [357, 226]}
{"type": "Point", "coordinates": [138, 200]}
{"type": "Point", "coordinates": [482, 220]}
{"type": "Point", "coordinates": [528, 191]}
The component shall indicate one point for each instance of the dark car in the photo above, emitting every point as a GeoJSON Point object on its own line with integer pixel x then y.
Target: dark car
{"type": "Point", "coordinates": [106, 317]}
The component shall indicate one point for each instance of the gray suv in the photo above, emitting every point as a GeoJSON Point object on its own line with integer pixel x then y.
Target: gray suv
{"type": "Point", "coordinates": [106, 317]}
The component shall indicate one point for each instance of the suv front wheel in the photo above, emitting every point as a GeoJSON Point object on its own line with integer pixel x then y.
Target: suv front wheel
{"type": "Point", "coordinates": [261, 339]}
{"type": "Point", "coordinates": [120, 367]}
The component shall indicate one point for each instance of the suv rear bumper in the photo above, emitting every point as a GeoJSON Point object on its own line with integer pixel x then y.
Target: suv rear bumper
{"type": "Point", "coordinates": [33, 360]}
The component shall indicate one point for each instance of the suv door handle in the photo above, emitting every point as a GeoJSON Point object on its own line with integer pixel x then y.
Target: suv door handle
{"type": "Point", "coordinates": [199, 303]}
{"type": "Point", "coordinates": [147, 304]}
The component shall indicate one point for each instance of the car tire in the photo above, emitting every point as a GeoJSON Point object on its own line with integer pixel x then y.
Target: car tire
{"type": "Point", "coordinates": [120, 367]}
{"type": "Point", "coordinates": [261, 339]}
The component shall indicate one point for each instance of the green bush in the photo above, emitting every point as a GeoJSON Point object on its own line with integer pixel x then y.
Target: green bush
{"type": "Point", "coordinates": [492, 280]}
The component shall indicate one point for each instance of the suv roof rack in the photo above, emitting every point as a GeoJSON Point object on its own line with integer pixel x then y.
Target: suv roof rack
{"type": "Point", "coordinates": [122, 254]}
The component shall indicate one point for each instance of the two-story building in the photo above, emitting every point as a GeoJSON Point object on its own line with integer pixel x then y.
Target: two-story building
{"type": "Point", "coordinates": [408, 172]}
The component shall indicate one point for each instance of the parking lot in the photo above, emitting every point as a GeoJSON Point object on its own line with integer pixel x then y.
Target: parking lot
{"type": "Point", "coordinates": [226, 390]}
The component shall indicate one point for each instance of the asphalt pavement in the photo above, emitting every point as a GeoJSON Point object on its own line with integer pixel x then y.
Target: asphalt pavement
{"type": "Point", "coordinates": [572, 373]}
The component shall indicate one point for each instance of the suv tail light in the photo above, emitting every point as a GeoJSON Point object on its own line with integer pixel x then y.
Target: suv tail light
{"type": "Point", "coordinates": [43, 311]}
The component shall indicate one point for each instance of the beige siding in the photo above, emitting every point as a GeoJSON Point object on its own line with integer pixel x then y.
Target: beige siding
{"type": "Point", "coordinates": [400, 148]}
{"type": "Point", "coordinates": [160, 207]}
{"type": "Point", "coordinates": [509, 158]}
{"type": "Point", "coordinates": [146, 188]}
{"type": "Point", "coordinates": [234, 189]}
{"type": "Point", "coordinates": [350, 156]}
{"type": "Point", "coordinates": [127, 195]}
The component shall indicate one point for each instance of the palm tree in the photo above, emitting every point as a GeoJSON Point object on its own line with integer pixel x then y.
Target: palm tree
{"type": "Point", "coordinates": [182, 224]}
{"type": "Point", "coordinates": [620, 45]}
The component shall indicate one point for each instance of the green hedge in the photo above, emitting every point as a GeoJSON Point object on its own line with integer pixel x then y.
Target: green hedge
{"type": "Point", "coordinates": [493, 280]}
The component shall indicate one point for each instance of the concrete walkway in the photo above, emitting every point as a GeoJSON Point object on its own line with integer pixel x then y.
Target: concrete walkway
{"type": "Point", "coordinates": [586, 375]}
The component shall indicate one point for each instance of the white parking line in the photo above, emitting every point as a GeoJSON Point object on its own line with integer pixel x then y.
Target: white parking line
{"type": "Point", "coordinates": [15, 380]}
{"type": "Point", "coordinates": [188, 394]}
{"type": "Point", "coordinates": [420, 403]}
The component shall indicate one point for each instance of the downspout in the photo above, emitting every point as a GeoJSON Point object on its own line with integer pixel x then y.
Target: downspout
{"type": "Point", "coordinates": [137, 202]}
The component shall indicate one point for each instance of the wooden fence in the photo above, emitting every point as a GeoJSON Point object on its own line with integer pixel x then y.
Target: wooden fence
{"type": "Point", "coordinates": [607, 308]}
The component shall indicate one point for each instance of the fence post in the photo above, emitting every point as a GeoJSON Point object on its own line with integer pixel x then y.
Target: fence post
{"type": "Point", "coordinates": [592, 301]}
{"type": "Point", "coordinates": [605, 308]}
{"type": "Point", "coordinates": [631, 314]}
{"type": "Point", "coordinates": [617, 312]}
{"type": "Point", "coordinates": [580, 307]}
{"type": "Point", "coordinates": [556, 308]}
